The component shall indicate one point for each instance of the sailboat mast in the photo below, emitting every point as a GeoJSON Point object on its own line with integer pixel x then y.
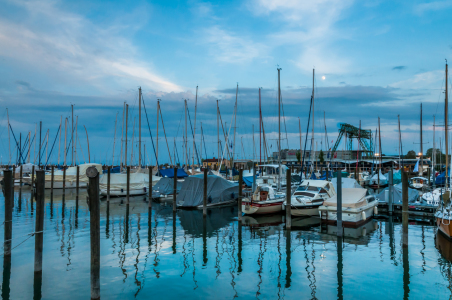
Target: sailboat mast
{"type": "Point", "coordinates": [446, 117]}
{"type": "Point", "coordinates": [254, 148]}
{"type": "Point", "coordinates": [72, 134]}
{"type": "Point", "coordinates": [260, 128]}
{"type": "Point", "coordinates": [279, 129]}
{"type": "Point", "coordinates": [76, 138]}
{"type": "Point", "coordinates": [235, 123]}
{"type": "Point", "coordinates": [299, 128]}
{"type": "Point", "coordinates": [9, 138]}
{"type": "Point", "coordinates": [29, 146]}
{"type": "Point", "coordinates": [313, 114]}
{"type": "Point", "coordinates": [127, 123]}
{"type": "Point", "coordinates": [186, 136]}
{"type": "Point", "coordinates": [157, 141]}
{"type": "Point", "coordinates": [218, 134]}
{"type": "Point", "coordinates": [59, 143]}
{"type": "Point", "coordinates": [202, 136]}
{"type": "Point", "coordinates": [34, 150]}
{"type": "Point", "coordinates": [433, 152]}
{"type": "Point", "coordinates": [421, 171]}
{"type": "Point", "coordinates": [400, 162]}
{"type": "Point", "coordinates": [122, 134]}
{"type": "Point", "coordinates": [139, 127]}
{"type": "Point", "coordinates": [194, 132]}
{"type": "Point", "coordinates": [65, 139]}
{"type": "Point", "coordinates": [114, 141]}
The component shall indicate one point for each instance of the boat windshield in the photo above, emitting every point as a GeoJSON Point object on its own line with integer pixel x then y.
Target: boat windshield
{"type": "Point", "coordinates": [308, 188]}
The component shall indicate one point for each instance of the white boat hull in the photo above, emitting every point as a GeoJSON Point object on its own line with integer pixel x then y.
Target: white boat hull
{"type": "Point", "coordinates": [69, 184]}
{"type": "Point", "coordinates": [261, 208]}
{"type": "Point", "coordinates": [350, 217]}
{"type": "Point", "coordinates": [123, 193]}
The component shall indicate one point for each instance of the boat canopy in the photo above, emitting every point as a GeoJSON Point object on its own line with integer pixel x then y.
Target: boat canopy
{"type": "Point", "coordinates": [165, 186]}
{"type": "Point", "coordinates": [382, 177]}
{"type": "Point", "coordinates": [347, 183]}
{"type": "Point", "coordinates": [351, 198]}
{"type": "Point", "coordinates": [118, 181]}
{"type": "Point", "coordinates": [219, 190]}
{"type": "Point", "coordinates": [71, 173]}
{"type": "Point", "coordinates": [316, 183]}
{"type": "Point", "coordinates": [413, 194]}
{"type": "Point", "coordinates": [170, 173]}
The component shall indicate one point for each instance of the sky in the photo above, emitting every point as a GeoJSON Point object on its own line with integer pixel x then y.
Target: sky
{"type": "Point", "coordinates": [372, 59]}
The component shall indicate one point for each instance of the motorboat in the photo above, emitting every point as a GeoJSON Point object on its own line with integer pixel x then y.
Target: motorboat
{"type": "Point", "coordinates": [309, 196]}
{"type": "Point", "coordinates": [264, 200]}
{"type": "Point", "coordinates": [138, 184]}
{"type": "Point", "coordinates": [357, 207]}
{"type": "Point", "coordinates": [434, 197]}
{"type": "Point", "coordinates": [363, 178]}
{"type": "Point", "coordinates": [418, 182]}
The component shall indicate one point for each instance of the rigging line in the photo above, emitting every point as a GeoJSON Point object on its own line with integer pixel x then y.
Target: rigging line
{"type": "Point", "coordinates": [26, 155]}
{"type": "Point", "coordinates": [205, 150]}
{"type": "Point", "coordinates": [306, 140]}
{"type": "Point", "coordinates": [191, 127]}
{"type": "Point", "coordinates": [224, 134]}
{"type": "Point", "coordinates": [25, 144]}
{"type": "Point", "coordinates": [150, 133]}
{"type": "Point", "coordinates": [17, 144]}
{"type": "Point", "coordinates": [84, 159]}
{"type": "Point", "coordinates": [177, 153]}
{"type": "Point", "coordinates": [59, 127]}
{"type": "Point", "coordinates": [284, 117]}
{"type": "Point", "coordinates": [45, 145]}
{"type": "Point", "coordinates": [163, 125]}
{"type": "Point", "coordinates": [70, 142]}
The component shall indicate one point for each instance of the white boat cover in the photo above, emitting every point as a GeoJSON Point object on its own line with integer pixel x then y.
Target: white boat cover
{"type": "Point", "coordinates": [382, 177]}
{"type": "Point", "coordinates": [347, 183]}
{"type": "Point", "coordinates": [413, 194]}
{"type": "Point", "coordinates": [219, 190]}
{"type": "Point", "coordinates": [118, 181]}
{"type": "Point", "coordinates": [27, 168]}
{"type": "Point", "coordinates": [352, 198]}
{"type": "Point", "coordinates": [71, 173]}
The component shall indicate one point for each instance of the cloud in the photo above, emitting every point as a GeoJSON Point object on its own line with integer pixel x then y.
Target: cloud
{"type": "Point", "coordinates": [425, 80]}
{"type": "Point", "coordinates": [57, 42]}
{"type": "Point", "coordinates": [432, 6]}
{"type": "Point", "coordinates": [228, 47]}
{"type": "Point", "coordinates": [399, 68]}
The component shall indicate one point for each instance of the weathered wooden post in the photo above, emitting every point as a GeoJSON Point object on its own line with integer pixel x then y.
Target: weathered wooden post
{"type": "Point", "coordinates": [128, 186]}
{"type": "Point", "coordinates": [240, 246]}
{"type": "Point", "coordinates": [94, 215]}
{"type": "Point", "coordinates": [391, 192]}
{"type": "Point", "coordinates": [39, 226]}
{"type": "Point", "coordinates": [288, 200]}
{"type": "Point", "coordinates": [77, 181]}
{"type": "Point", "coordinates": [64, 180]}
{"type": "Point", "coordinates": [175, 189]}
{"type": "Point", "coordinates": [288, 255]}
{"type": "Point", "coordinates": [204, 242]}
{"type": "Point", "coordinates": [339, 204]}
{"type": "Point", "coordinates": [108, 183]}
{"type": "Point", "coordinates": [204, 200]}
{"type": "Point", "coordinates": [20, 175]}
{"type": "Point", "coordinates": [404, 209]}
{"type": "Point", "coordinates": [339, 268]}
{"type": "Point", "coordinates": [174, 232]}
{"type": "Point", "coordinates": [150, 189]}
{"type": "Point", "coordinates": [240, 194]}
{"type": "Point", "coordinates": [32, 178]}
{"type": "Point", "coordinates": [8, 181]}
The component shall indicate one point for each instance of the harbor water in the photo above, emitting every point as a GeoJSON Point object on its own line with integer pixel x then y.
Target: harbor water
{"type": "Point", "coordinates": [183, 256]}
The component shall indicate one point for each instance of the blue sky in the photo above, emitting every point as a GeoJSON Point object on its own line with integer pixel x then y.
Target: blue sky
{"type": "Point", "coordinates": [372, 59]}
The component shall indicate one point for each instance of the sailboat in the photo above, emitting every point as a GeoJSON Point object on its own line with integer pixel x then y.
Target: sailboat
{"type": "Point", "coordinates": [265, 199]}
{"type": "Point", "coordinates": [443, 215]}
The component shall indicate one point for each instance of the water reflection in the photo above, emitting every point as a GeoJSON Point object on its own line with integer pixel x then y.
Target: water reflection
{"type": "Point", "coordinates": [152, 252]}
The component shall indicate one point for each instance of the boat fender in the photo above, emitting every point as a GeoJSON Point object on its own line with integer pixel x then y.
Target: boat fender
{"type": "Point", "coordinates": [364, 231]}
{"type": "Point", "coordinates": [363, 214]}
{"type": "Point", "coordinates": [375, 210]}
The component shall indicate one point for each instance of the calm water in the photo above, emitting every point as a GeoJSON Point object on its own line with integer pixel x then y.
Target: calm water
{"type": "Point", "coordinates": [183, 257]}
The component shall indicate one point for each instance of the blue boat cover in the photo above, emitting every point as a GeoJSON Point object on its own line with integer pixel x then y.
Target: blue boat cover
{"type": "Point", "coordinates": [113, 170]}
{"type": "Point", "coordinates": [248, 181]}
{"type": "Point", "coordinates": [441, 178]}
{"type": "Point", "coordinates": [170, 173]}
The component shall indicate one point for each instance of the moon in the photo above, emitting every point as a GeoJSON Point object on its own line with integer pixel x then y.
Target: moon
{"type": "Point", "coordinates": [323, 77]}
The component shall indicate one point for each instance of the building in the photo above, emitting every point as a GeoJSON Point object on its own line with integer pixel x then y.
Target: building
{"type": "Point", "coordinates": [214, 163]}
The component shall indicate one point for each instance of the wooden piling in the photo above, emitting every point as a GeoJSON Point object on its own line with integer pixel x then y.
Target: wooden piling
{"type": "Point", "coordinates": [32, 178]}
{"type": "Point", "coordinates": [20, 175]}
{"type": "Point", "coordinates": [288, 200]}
{"type": "Point", "coordinates": [339, 204]}
{"type": "Point", "coordinates": [108, 183]}
{"type": "Point", "coordinates": [39, 225]}
{"type": "Point", "coordinates": [8, 181]}
{"type": "Point", "coordinates": [204, 200]}
{"type": "Point", "coordinates": [339, 268]}
{"type": "Point", "coordinates": [77, 182]}
{"type": "Point", "coordinates": [240, 194]}
{"type": "Point", "coordinates": [94, 207]}
{"type": "Point", "coordinates": [404, 209]}
{"type": "Point", "coordinates": [128, 186]}
{"type": "Point", "coordinates": [64, 180]}
{"type": "Point", "coordinates": [175, 189]}
{"type": "Point", "coordinates": [150, 189]}
{"type": "Point", "coordinates": [288, 256]}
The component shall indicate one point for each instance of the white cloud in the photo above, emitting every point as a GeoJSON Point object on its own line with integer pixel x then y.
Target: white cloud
{"type": "Point", "coordinates": [231, 48]}
{"type": "Point", "coordinates": [426, 80]}
{"type": "Point", "coordinates": [432, 6]}
{"type": "Point", "coordinates": [67, 46]}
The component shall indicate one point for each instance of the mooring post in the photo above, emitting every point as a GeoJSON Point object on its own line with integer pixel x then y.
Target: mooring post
{"type": "Point", "coordinates": [288, 200]}
{"type": "Point", "coordinates": [391, 192]}
{"type": "Point", "coordinates": [108, 183]}
{"type": "Point", "coordinates": [128, 185]}
{"type": "Point", "coordinates": [404, 209]}
{"type": "Point", "coordinates": [39, 226]}
{"type": "Point", "coordinates": [150, 189]}
{"type": "Point", "coordinates": [20, 175]}
{"type": "Point", "coordinates": [204, 200]}
{"type": "Point", "coordinates": [64, 180]}
{"type": "Point", "coordinates": [32, 178]}
{"type": "Point", "coordinates": [288, 256]}
{"type": "Point", "coordinates": [339, 204]}
{"type": "Point", "coordinates": [240, 246]}
{"type": "Point", "coordinates": [240, 194]}
{"type": "Point", "coordinates": [77, 181]}
{"type": "Point", "coordinates": [94, 216]}
{"type": "Point", "coordinates": [8, 182]}
{"type": "Point", "coordinates": [204, 242]}
{"type": "Point", "coordinates": [175, 189]}
{"type": "Point", "coordinates": [339, 268]}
